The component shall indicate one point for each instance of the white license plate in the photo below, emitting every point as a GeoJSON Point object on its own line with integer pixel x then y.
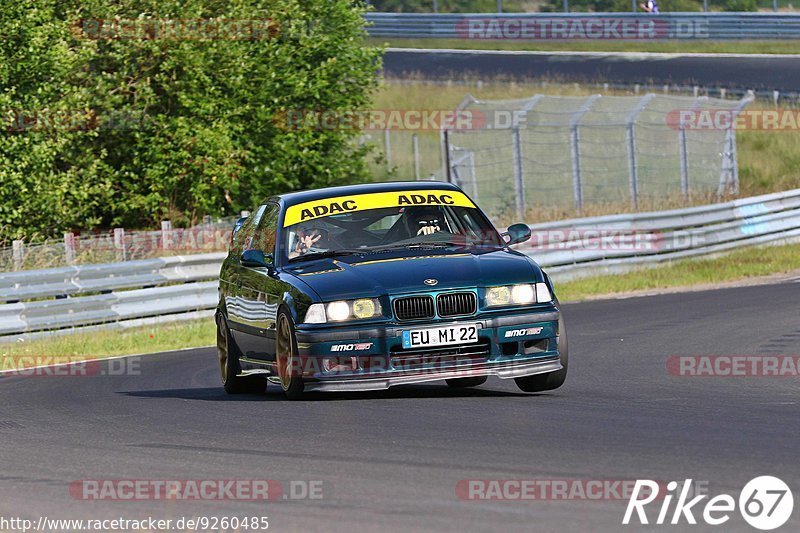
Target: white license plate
{"type": "Point", "coordinates": [444, 336]}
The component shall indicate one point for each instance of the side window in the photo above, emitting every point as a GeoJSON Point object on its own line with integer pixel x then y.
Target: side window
{"type": "Point", "coordinates": [244, 237]}
{"type": "Point", "coordinates": [266, 231]}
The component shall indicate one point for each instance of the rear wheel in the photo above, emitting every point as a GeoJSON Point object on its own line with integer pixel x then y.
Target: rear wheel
{"type": "Point", "coordinates": [228, 357]}
{"type": "Point", "coordinates": [550, 380]}
{"type": "Point", "coordinates": [463, 383]}
{"type": "Point", "coordinates": [286, 358]}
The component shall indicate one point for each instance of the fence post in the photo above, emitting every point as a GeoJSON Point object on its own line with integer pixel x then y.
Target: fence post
{"type": "Point", "coordinates": [18, 254]}
{"type": "Point", "coordinates": [684, 152]}
{"type": "Point", "coordinates": [519, 183]}
{"type": "Point", "coordinates": [447, 169]}
{"type": "Point", "coordinates": [166, 234]}
{"type": "Point", "coordinates": [69, 247]}
{"type": "Point", "coordinates": [474, 173]}
{"type": "Point", "coordinates": [387, 142]}
{"type": "Point", "coordinates": [577, 185]}
{"type": "Point", "coordinates": [119, 244]}
{"type": "Point", "coordinates": [520, 119]}
{"type": "Point", "coordinates": [729, 175]}
{"type": "Point", "coordinates": [415, 147]}
{"type": "Point", "coordinates": [633, 171]}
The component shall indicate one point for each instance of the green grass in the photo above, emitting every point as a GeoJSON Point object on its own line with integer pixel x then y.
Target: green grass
{"type": "Point", "coordinates": [735, 266]}
{"type": "Point", "coordinates": [108, 343]}
{"type": "Point", "coordinates": [708, 47]}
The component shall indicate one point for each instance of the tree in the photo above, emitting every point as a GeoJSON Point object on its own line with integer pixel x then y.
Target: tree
{"type": "Point", "coordinates": [168, 108]}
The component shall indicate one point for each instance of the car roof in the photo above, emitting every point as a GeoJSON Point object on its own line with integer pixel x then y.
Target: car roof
{"type": "Point", "coordinates": [311, 195]}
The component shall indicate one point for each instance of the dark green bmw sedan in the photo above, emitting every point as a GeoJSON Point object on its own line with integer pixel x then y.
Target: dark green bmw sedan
{"type": "Point", "coordinates": [369, 286]}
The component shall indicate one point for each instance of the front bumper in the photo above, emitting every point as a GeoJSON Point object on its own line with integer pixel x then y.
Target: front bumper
{"type": "Point", "coordinates": [358, 358]}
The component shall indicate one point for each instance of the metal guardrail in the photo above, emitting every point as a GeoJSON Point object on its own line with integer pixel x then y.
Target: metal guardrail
{"type": "Point", "coordinates": [185, 287]}
{"type": "Point", "coordinates": [616, 243]}
{"type": "Point", "coordinates": [586, 26]}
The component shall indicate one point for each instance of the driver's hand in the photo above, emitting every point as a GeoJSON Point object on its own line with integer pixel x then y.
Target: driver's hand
{"type": "Point", "coordinates": [428, 230]}
{"type": "Point", "coordinates": [307, 242]}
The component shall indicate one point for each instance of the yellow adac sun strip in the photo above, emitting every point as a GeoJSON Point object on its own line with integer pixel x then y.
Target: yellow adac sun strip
{"type": "Point", "coordinates": [376, 200]}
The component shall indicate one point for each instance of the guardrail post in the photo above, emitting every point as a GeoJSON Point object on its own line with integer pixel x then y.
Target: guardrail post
{"type": "Point", "coordinates": [69, 248]}
{"type": "Point", "coordinates": [633, 170]}
{"type": "Point", "coordinates": [18, 254]}
{"type": "Point", "coordinates": [577, 184]}
{"type": "Point", "coordinates": [119, 244]}
{"type": "Point", "coordinates": [166, 234]}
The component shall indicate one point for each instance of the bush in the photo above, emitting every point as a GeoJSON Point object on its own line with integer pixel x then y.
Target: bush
{"type": "Point", "coordinates": [105, 131]}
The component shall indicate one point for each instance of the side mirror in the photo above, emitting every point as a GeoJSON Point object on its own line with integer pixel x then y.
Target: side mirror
{"type": "Point", "coordinates": [517, 233]}
{"type": "Point", "coordinates": [256, 259]}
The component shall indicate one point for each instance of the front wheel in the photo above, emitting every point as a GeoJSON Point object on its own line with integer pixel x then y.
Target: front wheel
{"type": "Point", "coordinates": [227, 355]}
{"type": "Point", "coordinates": [286, 358]}
{"type": "Point", "coordinates": [550, 380]}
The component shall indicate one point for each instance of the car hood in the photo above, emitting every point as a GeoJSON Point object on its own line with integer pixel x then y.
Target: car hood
{"type": "Point", "coordinates": [379, 274]}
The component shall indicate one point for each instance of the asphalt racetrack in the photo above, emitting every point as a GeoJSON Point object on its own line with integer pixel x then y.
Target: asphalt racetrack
{"type": "Point", "coordinates": [392, 460]}
{"type": "Point", "coordinates": [736, 73]}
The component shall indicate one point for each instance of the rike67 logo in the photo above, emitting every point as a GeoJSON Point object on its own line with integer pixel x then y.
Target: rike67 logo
{"type": "Point", "coordinates": [765, 502]}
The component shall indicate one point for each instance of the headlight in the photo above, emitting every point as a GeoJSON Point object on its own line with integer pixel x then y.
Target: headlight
{"type": "Point", "coordinates": [342, 310]}
{"type": "Point", "coordinates": [338, 311]}
{"type": "Point", "coordinates": [522, 294]}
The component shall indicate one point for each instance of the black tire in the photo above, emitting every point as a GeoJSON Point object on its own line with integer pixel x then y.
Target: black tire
{"type": "Point", "coordinates": [463, 383]}
{"type": "Point", "coordinates": [286, 357]}
{"type": "Point", "coordinates": [550, 380]}
{"type": "Point", "coordinates": [228, 357]}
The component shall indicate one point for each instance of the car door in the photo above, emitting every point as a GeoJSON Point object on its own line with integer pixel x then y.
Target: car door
{"type": "Point", "coordinates": [260, 292]}
{"type": "Point", "coordinates": [239, 316]}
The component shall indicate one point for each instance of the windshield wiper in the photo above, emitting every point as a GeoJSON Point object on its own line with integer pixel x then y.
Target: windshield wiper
{"type": "Point", "coordinates": [414, 245]}
{"type": "Point", "coordinates": [323, 254]}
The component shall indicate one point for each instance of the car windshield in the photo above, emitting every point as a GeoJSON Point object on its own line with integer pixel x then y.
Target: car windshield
{"type": "Point", "coordinates": [339, 226]}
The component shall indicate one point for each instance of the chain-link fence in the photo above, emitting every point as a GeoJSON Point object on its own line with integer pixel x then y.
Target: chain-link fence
{"type": "Point", "coordinates": [116, 245]}
{"type": "Point", "coordinates": [564, 152]}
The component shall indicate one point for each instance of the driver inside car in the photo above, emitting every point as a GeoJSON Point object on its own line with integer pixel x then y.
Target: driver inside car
{"type": "Point", "coordinates": [307, 238]}
{"type": "Point", "coordinates": [423, 220]}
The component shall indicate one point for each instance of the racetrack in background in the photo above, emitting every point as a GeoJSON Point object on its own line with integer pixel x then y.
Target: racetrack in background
{"type": "Point", "coordinates": [763, 73]}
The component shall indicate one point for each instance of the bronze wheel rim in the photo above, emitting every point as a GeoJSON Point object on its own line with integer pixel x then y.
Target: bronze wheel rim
{"type": "Point", "coordinates": [285, 353]}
